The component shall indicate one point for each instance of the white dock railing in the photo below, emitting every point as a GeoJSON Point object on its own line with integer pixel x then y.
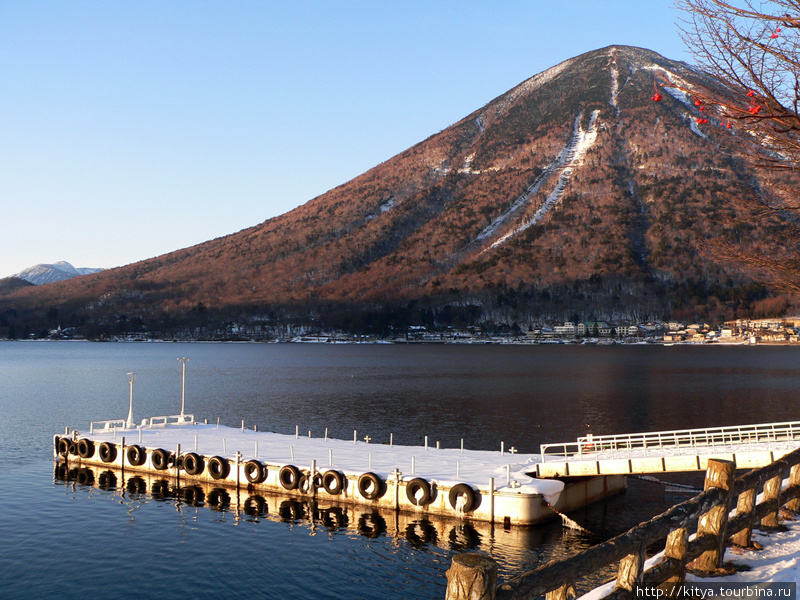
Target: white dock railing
{"type": "Point", "coordinates": [679, 441]}
{"type": "Point", "coordinates": [115, 424]}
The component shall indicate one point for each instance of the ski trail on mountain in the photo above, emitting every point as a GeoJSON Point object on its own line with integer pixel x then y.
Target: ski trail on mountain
{"type": "Point", "coordinates": [571, 156]}
{"type": "Point", "coordinates": [614, 83]}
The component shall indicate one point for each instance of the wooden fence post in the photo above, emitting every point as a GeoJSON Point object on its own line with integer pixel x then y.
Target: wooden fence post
{"type": "Point", "coordinates": [630, 571]}
{"type": "Point", "coordinates": [719, 474]}
{"type": "Point", "coordinates": [772, 491]}
{"type": "Point", "coordinates": [794, 479]}
{"type": "Point", "coordinates": [746, 505]}
{"type": "Point", "coordinates": [471, 576]}
{"type": "Point", "coordinates": [677, 543]}
{"type": "Point", "coordinates": [565, 592]}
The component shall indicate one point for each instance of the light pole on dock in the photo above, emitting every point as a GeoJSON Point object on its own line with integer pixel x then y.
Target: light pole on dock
{"type": "Point", "coordinates": [129, 422]}
{"type": "Point", "coordinates": [183, 360]}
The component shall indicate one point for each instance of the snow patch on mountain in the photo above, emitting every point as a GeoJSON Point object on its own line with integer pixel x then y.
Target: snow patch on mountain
{"type": "Point", "coordinates": [571, 157]}
{"type": "Point", "coordinates": [695, 129]}
{"type": "Point", "coordinates": [529, 85]}
{"type": "Point", "coordinates": [48, 273]}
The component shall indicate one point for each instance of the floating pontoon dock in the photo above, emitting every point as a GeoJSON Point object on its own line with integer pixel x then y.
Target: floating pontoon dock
{"type": "Point", "coordinates": [495, 487]}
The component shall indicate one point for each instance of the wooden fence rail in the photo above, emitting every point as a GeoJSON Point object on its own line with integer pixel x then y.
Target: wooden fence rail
{"type": "Point", "coordinates": [473, 576]}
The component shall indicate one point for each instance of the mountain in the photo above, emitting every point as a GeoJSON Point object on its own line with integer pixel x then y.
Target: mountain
{"type": "Point", "coordinates": [48, 273]}
{"type": "Point", "coordinates": [571, 195]}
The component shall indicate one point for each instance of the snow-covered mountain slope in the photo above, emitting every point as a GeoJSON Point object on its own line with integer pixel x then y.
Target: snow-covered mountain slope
{"type": "Point", "coordinates": [48, 273]}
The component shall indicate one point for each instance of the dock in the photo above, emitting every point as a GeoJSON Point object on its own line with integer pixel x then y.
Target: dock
{"type": "Point", "coordinates": [482, 486]}
{"type": "Point", "coordinates": [680, 450]}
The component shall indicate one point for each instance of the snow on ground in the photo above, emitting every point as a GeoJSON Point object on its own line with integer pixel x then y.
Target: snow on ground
{"type": "Point", "coordinates": [571, 157]}
{"type": "Point", "coordinates": [695, 129]}
{"type": "Point", "coordinates": [777, 561]}
{"type": "Point", "coordinates": [446, 466]}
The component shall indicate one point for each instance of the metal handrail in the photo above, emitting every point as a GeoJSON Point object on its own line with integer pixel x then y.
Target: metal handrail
{"type": "Point", "coordinates": [169, 420]}
{"type": "Point", "coordinates": [112, 424]}
{"type": "Point", "coordinates": [771, 427]}
{"type": "Point", "coordinates": [713, 437]}
{"type": "Point", "coordinates": [122, 423]}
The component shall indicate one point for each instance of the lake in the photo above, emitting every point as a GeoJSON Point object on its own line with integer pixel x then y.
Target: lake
{"type": "Point", "coordinates": [65, 538]}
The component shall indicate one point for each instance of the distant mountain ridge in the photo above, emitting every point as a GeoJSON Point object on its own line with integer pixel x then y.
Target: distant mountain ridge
{"type": "Point", "coordinates": [49, 273]}
{"type": "Point", "coordinates": [572, 196]}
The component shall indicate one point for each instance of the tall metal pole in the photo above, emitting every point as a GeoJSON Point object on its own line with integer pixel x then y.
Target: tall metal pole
{"type": "Point", "coordinates": [183, 360]}
{"type": "Point", "coordinates": [129, 423]}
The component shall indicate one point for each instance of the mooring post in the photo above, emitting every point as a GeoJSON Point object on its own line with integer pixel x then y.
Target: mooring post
{"type": "Point", "coordinates": [772, 491]}
{"type": "Point", "coordinates": [313, 484]}
{"type": "Point", "coordinates": [471, 576]}
{"type": "Point", "coordinates": [491, 500]}
{"type": "Point", "coordinates": [238, 477]}
{"type": "Point", "coordinates": [396, 474]}
{"type": "Point", "coordinates": [122, 457]}
{"type": "Point", "coordinates": [177, 466]}
{"type": "Point", "coordinates": [745, 505]}
{"type": "Point", "coordinates": [719, 474]}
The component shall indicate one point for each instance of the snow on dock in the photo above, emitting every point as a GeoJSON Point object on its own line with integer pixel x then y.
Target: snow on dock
{"type": "Point", "coordinates": [480, 485]}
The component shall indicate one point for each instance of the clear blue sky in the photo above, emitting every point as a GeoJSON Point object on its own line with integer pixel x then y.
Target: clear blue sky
{"type": "Point", "coordinates": [131, 129]}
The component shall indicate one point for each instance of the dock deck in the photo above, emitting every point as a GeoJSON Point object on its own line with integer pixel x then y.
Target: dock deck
{"type": "Point", "coordinates": [452, 482]}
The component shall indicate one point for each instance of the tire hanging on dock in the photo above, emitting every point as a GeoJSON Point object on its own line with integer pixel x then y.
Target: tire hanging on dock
{"type": "Point", "coordinates": [370, 486]}
{"type": "Point", "coordinates": [136, 455]}
{"type": "Point", "coordinates": [108, 452]}
{"type": "Point", "coordinates": [192, 463]}
{"type": "Point", "coordinates": [160, 459]}
{"type": "Point", "coordinates": [463, 498]}
{"type": "Point", "coordinates": [333, 481]}
{"type": "Point", "coordinates": [63, 447]}
{"type": "Point", "coordinates": [289, 476]}
{"type": "Point", "coordinates": [218, 467]}
{"type": "Point", "coordinates": [254, 471]}
{"type": "Point", "coordinates": [85, 448]}
{"type": "Point", "coordinates": [418, 492]}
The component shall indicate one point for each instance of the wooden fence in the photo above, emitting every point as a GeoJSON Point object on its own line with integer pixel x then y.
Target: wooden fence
{"type": "Point", "coordinates": [473, 576]}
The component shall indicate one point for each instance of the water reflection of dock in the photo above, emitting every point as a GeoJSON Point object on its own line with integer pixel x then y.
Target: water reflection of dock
{"type": "Point", "coordinates": [371, 522]}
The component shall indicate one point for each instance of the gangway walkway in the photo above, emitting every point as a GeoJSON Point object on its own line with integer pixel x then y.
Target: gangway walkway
{"type": "Point", "coordinates": [749, 446]}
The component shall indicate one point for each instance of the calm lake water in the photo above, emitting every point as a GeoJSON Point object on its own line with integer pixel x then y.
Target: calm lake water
{"type": "Point", "coordinates": [66, 538]}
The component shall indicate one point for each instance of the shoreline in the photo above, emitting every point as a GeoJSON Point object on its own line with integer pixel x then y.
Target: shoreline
{"type": "Point", "coordinates": [396, 342]}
